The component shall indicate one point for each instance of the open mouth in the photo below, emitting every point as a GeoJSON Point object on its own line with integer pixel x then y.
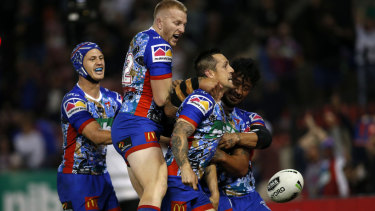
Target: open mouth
{"type": "Point", "coordinates": [99, 69]}
{"type": "Point", "coordinates": [176, 36]}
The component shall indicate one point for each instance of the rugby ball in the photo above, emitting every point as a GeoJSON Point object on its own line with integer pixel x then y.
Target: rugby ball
{"type": "Point", "coordinates": [285, 185]}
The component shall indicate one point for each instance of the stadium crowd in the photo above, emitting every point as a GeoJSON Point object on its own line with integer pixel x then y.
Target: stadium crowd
{"type": "Point", "coordinates": [317, 90]}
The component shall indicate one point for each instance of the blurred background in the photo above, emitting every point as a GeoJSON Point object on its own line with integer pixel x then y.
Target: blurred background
{"type": "Point", "coordinates": [317, 92]}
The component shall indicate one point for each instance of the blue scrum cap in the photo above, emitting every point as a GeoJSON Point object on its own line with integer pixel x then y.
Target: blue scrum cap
{"type": "Point", "coordinates": [79, 52]}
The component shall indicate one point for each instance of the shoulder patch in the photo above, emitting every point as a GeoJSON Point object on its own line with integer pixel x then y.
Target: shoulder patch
{"type": "Point", "coordinates": [161, 53]}
{"type": "Point", "coordinates": [255, 117]}
{"type": "Point", "coordinates": [201, 102]}
{"type": "Point", "coordinates": [74, 105]}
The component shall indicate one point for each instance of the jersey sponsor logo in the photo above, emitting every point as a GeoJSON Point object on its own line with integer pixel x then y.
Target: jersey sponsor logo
{"type": "Point", "coordinates": [74, 105]}
{"type": "Point", "coordinates": [150, 136]}
{"type": "Point", "coordinates": [91, 203]}
{"type": "Point", "coordinates": [161, 53]}
{"type": "Point", "coordinates": [124, 144]}
{"type": "Point", "coordinates": [67, 205]}
{"type": "Point", "coordinates": [178, 206]}
{"type": "Point", "coordinates": [201, 103]}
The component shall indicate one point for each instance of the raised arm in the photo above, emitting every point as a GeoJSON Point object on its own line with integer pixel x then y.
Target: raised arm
{"type": "Point", "coordinates": [182, 130]}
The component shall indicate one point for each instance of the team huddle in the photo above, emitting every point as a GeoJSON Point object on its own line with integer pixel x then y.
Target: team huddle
{"type": "Point", "coordinates": [208, 162]}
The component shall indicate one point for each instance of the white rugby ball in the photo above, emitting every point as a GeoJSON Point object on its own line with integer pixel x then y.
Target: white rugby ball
{"type": "Point", "coordinates": [285, 185]}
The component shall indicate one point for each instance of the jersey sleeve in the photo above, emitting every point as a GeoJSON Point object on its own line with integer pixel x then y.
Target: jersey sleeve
{"type": "Point", "coordinates": [255, 119]}
{"type": "Point", "coordinates": [196, 108]}
{"type": "Point", "coordinates": [74, 109]}
{"type": "Point", "coordinates": [158, 59]}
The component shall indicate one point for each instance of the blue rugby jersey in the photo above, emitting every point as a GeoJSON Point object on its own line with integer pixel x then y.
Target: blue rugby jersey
{"type": "Point", "coordinates": [77, 110]}
{"type": "Point", "coordinates": [240, 121]}
{"type": "Point", "coordinates": [200, 109]}
{"type": "Point", "coordinates": [149, 58]}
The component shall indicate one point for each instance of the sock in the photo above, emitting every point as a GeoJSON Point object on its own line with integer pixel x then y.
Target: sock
{"type": "Point", "coordinates": [148, 208]}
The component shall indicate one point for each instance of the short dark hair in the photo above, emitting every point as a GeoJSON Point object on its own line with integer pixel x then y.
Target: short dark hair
{"type": "Point", "coordinates": [247, 68]}
{"type": "Point", "coordinates": [205, 61]}
{"type": "Point", "coordinates": [166, 4]}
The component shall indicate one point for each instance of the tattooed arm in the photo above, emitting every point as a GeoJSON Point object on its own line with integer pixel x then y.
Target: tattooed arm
{"type": "Point", "coordinates": [182, 130]}
{"type": "Point", "coordinates": [236, 164]}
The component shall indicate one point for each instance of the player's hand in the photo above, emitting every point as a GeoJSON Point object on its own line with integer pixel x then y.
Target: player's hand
{"type": "Point", "coordinates": [215, 197]}
{"type": "Point", "coordinates": [176, 83]}
{"type": "Point", "coordinates": [228, 140]}
{"type": "Point", "coordinates": [208, 84]}
{"type": "Point", "coordinates": [188, 177]}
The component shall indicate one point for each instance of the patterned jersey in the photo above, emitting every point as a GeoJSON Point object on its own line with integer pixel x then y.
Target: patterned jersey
{"type": "Point", "coordinates": [240, 121]}
{"type": "Point", "coordinates": [149, 58]}
{"type": "Point", "coordinates": [200, 109]}
{"type": "Point", "coordinates": [77, 110]}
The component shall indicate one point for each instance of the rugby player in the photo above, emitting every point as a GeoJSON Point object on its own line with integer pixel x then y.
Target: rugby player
{"type": "Point", "coordinates": [200, 122]}
{"type": "Point", "coordinates": [233, 158]}
{"type": "Point", "coordinates": [87, 114]}
{"type": "Point", "coordinates": [146, 82]}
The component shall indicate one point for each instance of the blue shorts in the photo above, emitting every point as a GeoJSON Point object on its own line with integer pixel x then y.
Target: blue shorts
{"type": "Point", "coordinates": [251, 201]}
{"type": "Point", "coordinates": [133, 133]}
{"type": "Point", "coordinates": [182, 197]}
{"type": "Point", "coordinates": [81, 192]}
{"type": "Point", "coordinates": [224, 202]}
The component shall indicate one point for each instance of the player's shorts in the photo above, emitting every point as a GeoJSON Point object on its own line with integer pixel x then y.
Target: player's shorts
{"type": "Point", "coordinates": [180, 197]}
{"type": "Point", "coordinates": [133, 133]}
{"type": "Point", "coordinates": [81, 192]}
{"type": "Point", "coordinates": [224, 203]}
{"type": "Point", "coordinates": [251, 201]}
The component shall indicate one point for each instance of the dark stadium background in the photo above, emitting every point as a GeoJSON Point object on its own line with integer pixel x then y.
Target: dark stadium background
{"type": "Point", "coordinates": [306, 50]}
